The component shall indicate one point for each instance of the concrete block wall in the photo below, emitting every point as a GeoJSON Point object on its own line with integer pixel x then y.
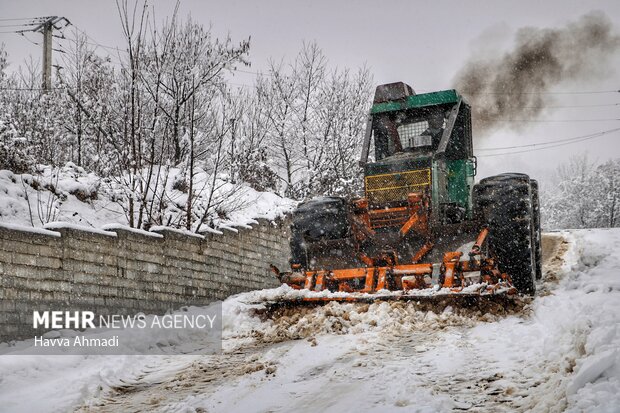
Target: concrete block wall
{"type": "Point", "coordinates": [121, 271]}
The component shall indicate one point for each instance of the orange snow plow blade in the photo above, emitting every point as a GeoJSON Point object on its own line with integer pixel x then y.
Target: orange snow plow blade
{"type": "Point", "coordinates": [473, 278]}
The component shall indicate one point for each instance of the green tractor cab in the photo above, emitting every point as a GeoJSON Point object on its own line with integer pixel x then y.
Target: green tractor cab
{"type": "Point", "coordinates": [420, 142]}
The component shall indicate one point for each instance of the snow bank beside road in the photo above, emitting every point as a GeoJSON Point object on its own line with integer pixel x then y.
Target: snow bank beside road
{"type": "Point", "coordinates": [593, 291]}
{"type": "Point", "coordinates": [563, 356]}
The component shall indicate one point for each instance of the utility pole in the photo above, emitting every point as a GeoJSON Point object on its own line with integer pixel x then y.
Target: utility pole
{"type": "Point", "coordinates": [46, 27]}
{"type": "Point", "coordinates": [233, 162]}
{"type": "Point", "coordinates": [47, 55]}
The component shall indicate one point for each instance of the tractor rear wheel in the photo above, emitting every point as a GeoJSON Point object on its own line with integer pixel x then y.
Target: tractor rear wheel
{"type": "Point", "coordinates": [504, 203]}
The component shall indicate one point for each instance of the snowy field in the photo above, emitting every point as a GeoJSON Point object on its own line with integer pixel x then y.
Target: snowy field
{"type": "Point", "coordinates": [559, 353]}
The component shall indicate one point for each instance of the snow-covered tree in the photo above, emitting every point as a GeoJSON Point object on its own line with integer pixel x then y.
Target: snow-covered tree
{"type": "Point", "coordinates": [583, 195]}
{"type": "Point", "coordinates": [316, 118]}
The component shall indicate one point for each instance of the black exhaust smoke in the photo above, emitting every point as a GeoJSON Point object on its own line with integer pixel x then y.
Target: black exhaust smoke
{"type": "Point", "coordinates": [510, 86]}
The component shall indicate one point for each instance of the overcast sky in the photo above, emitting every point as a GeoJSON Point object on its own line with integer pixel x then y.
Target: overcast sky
{"type": "Point", "coordinates": [423, 43]}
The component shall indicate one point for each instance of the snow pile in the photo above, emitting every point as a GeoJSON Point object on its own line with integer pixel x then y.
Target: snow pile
{"type": "Point", "coordinates": [248, 320]}
{"type": "Point", "coordinates": [257, 205]}
{"type": "Point", "coordinates": [389, 318]}
{"type": "Point", "coordinates": [67, 194]}
{"type": "Point", "coordinates": [286, 293]}
{"type": "Point", "coordinates": [70, 194]}
{"type": "Point", "coordinates": [230, 204]}
{"type": "Point", "coordinates": [113, 227]}
{"type": "Point", "coordinates": [582, 339]}
{"type": "Point", "coordinates": [31, 230]}
{"type": "Point", "coordinates": [67, 225]}
{"type": "Point", "coordinates": [595, 383]}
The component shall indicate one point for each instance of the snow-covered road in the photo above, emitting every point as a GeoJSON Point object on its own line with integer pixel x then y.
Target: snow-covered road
{"type": "Point", "coordinates": [559, 353]}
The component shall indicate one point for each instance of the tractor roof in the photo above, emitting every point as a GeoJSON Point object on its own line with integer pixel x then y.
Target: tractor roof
{"type": "Point", "coordinates": [417, 101]}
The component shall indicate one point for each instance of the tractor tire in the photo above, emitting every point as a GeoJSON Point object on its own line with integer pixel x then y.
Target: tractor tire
{"type": "Point", "coordinates": [504, 203]}
{"type": "Point", "coordinates": [320, 219]}
{"type": "Point", "coordinates": [299, 254]}
{"type": "Point", "coordinates": [536, 235]}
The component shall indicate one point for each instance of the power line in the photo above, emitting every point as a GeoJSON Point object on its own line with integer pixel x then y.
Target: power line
{"type": "Point", "coordinates": [496, 93]}
{"type": "Point", "coordinates": [575, 92]}
{"type": "Point", "coordinates": [108, 56]}
{"type": "Point", "coordinates": [2, 26]}
{"type": "Point", "coordinates": [555, 120]}
{"type": "Point", "coordinates": [549, 142]}
{"type": "Point", "coordinates": [115, 61]}
{"type": "Point", "coordinates": [589, 92]}
{"type": "Point", "coordinates": [239, 84]}
{"type": "Point", "coordinates": [553, 146]}
{"type": "Point", "coordinates": [30, 88]}
{"type": "Point", "coordinates": [271, 74]}
{"type": "Point", "coordinates": [571, 106]}
{"type": "Point", "coordinates": [96, 43]}
{"type": "Point", "coordinates": [31, 41]}
{"type": "Point", "coordinates": [503, 93]}
{"type": "Point", "coordinates": [491, 93]}
{"type": "Point", "coordinates": [22, 18]}
{"type": "Point", "coordinates": [253, 73]}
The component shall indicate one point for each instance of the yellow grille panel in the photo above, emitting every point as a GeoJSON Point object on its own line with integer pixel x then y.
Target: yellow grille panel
{"type": "Point", "coordinates": [395, 187]}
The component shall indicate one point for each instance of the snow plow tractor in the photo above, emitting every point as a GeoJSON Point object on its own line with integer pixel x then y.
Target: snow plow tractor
{"type": "Point", "coordinates": [422, 228]}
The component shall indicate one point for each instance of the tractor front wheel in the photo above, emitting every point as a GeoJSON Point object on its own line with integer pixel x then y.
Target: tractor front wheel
{"type": "Point", "coordinates": [505, 203]}
{"type": "Point", "coordinates": [317, 220]}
